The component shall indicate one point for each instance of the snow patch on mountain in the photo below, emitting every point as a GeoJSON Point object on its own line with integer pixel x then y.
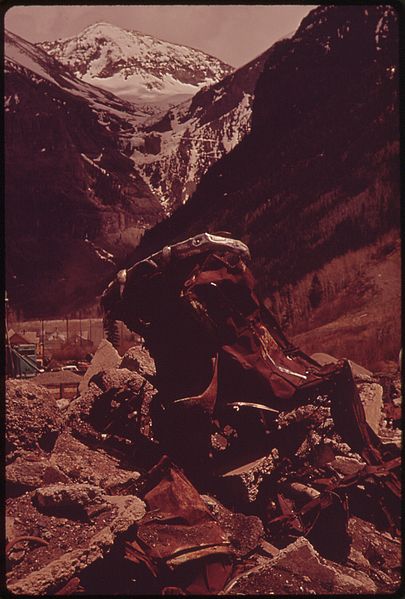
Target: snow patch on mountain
{"type": "Point", "coordinates": [20, 54]}
{"type": "Point", "coordinates": [135, 66]}
{"type": "Point", "coordinates": [188, 148]}
{"type": "Point", "coordinates": [145, 88]}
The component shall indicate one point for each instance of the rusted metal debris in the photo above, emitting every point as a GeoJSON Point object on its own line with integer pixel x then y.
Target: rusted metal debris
{"type": "Point", "coordinates": [243, 412]}
{"type": "Point", "coordinates": [178, 539]}
{"type": "Point", "coordinates": [24, 539]}
{"type": "Point", "coordinates": [73, 587]}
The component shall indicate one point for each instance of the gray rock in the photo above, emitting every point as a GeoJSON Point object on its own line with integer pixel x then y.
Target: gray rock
{"type": "Point", "coordinates": [346, 465]}
{"type": "Point", "coordinates": [62, 403]}
{"type": "Point", "coordinates": [29, 472]}
{"type": "Point", "coordinates": [105, 357]}
{"type": "Point", "coordinates": [139, 360]}
{"type": "Point", "coordinates": [117, 379]}
{"type": "Point", "coordinates": [371, 395]}
{"type": "Point", "coordinates": [72, 495]}
{"type": "Point", "coordinates": [32, 417]}
{"type": "Point", "coordinates": [359, 372]}
{"type": "Point", "coordinates": [89, 414]}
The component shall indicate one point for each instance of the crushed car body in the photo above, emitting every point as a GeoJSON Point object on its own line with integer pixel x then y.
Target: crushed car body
{"type": "Point", "coordinates": [232, 389]}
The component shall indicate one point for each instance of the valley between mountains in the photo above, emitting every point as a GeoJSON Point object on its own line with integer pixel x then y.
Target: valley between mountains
{"type": "Point", "coordinates": [117, 143]}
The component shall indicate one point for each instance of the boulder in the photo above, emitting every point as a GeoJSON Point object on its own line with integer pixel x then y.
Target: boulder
{"type": "Point", "coordinates": [116, 403]}
{"type": "Point", "coordinates": [32, 417]}
{"type": "Point", "coordinates": [139, 360]}
{"type": "Point", "coordinates": [105, 357]}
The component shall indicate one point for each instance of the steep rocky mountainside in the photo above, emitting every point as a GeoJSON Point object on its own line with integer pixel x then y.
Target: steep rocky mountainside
{"type": "Point", "coordinates": [70, 183]}
{"type": "Point", "coordinates": [314, 188]}
{"type": "Point", "coordinates": [210, 106]}
{"type": "Point", "coordinates": [173, 151]}
{"type": "Point", "coordinates": [135, 66]}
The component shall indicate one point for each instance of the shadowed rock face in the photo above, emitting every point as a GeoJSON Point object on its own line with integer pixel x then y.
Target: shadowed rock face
{"type": "Point", "coordinates": [68, 179]}
{"type": "Point", "coordinates": [176, 149]}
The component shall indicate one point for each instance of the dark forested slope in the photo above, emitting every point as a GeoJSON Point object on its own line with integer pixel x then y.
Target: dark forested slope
{"type": "Point", "coordinates": [318, 177]}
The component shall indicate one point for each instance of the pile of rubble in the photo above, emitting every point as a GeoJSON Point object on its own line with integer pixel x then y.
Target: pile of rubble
{"type": "Point", "coordinates": [94, 506]}
{"type": "Point", "coordinates": [230, 463]}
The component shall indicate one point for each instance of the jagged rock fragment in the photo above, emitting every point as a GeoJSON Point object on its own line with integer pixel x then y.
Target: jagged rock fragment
{"type": "Point", "coordinates": [299, 569]}
{"type": "Point", "coordinates": [139, 360]}
{"type": "Point", "coordinates": [371, 395]}
{"type": "Point", "coordinates": [106, 356]}
{"type": "Point", "coordinates": [244, 532]}
{"type": "Point", "coordinates": [61, 495]}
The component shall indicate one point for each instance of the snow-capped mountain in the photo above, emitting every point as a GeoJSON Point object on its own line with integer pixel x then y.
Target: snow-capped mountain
{"type": "Point", "coordinates": [69, 176]}
{"type": "Point", "coordinates": [173, 151]}
{"type": "Point", "coordinates": [135, 66]}
{"type": "Point", "coordinates": [20, 54]}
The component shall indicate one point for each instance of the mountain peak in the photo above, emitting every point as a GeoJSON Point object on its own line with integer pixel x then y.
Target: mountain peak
{"type": "Point", "coordinates": [136, 66]}
{"type": "Point", "coordinates": [99, 26]}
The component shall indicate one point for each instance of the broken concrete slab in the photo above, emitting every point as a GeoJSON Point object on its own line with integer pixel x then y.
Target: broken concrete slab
{"type": "Point", "coordinates": [106, 356]}
{"type": "Point", "coordinates": [371, 395]}
{"type": "Point", "coordinates": [117, 378]}
{"type": "Point", "coordinates": [380, 551]}
{"type": "Point", "coordinates": [93, 466]}
{"type": "Point", "coordinates": [73, 546]}
{"type": "Point", "coordinates": [138, 359]}
{"type": "Point", "coordinates": [345, 465]}
{"type": "Point", "coordinates": [245, 480]}
{"type": "Point", "coordinates": [29, 471]}
{"type": "Point", "coordinates": [32, 417]}
{"type": "Point", "coordinates": [359, 372]}
{"type": "Point", "coordinates": [299, 569]}
{"type": "Point", "coordinates": [67, 495]}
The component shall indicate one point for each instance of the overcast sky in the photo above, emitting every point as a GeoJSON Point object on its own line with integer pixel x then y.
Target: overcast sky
{"type": "Point", "coordinates": [233, 33]}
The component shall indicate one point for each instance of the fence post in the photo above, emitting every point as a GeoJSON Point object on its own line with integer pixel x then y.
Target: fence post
{"type": "Point", "coordinates": [43, 340]}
